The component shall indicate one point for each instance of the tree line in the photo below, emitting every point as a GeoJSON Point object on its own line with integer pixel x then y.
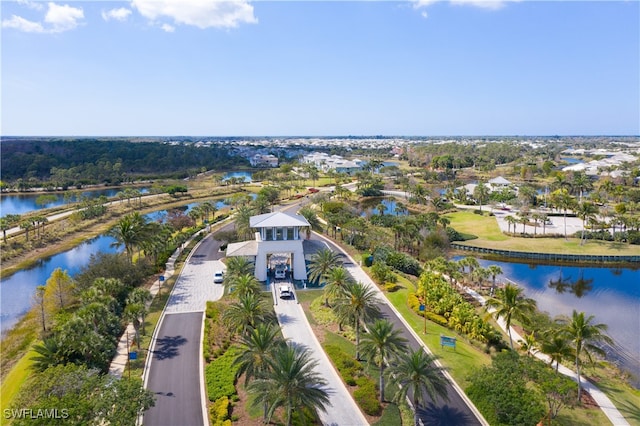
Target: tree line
{"type": "Point", "coordinates": [68, 163]}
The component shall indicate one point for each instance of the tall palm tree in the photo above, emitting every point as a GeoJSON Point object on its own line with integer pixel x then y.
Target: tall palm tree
{"type": "Point", "coordinates": [563, 201]}
{"type": "Point", "coordinates": [337, 280]}
{"type": "Point", "coordinates": [416, 374]}
{"type": "Point", "coordinates": [511, 221]}
{"type": "Point", "coordinates": [243, 217]}
{"type": "Point", "coordinates": [510, 304]}
{"type": "Point", "coordinates": [290, 383]}
{"type": "Point", "coordinates": [494, 271]}
{"type": "Point", "coordinates": [584, 335]}
{"type": "Point", "coordinates": [357, 304]}
{"type": "Point", "coordinates": [585, 210]}
{"type": "Point", "coordinates": [382, 343]}
{"type": "Point", "coordinates": [321, 263]}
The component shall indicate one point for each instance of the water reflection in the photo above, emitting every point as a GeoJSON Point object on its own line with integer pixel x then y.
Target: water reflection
{"type": "Point", "coordinates": [580, 287]}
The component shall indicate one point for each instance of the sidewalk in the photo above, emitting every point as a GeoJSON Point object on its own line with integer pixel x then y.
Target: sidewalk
{"type": "Point", "coordinates": [119, 362]}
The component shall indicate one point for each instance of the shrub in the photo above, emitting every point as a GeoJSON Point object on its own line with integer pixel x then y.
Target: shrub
{"type": "Point", "coordinates": [220, 412]}
{"type": "Point", "coordinates": [348, 367]}
{"type": "Point", "coordinates": [221, 376]}
{"type": "Point", "coordinates": [366, 396]}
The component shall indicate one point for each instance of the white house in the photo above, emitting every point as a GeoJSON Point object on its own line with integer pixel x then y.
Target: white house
{"type": "Point", "coordinates": [277, 236]}
{"type": "Point", "coordinates": [264, 160]}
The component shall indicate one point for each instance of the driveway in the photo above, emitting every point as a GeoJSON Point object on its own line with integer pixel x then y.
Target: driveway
{"type": "Point", "coordinates": [295, 327]}
{"type": "Point", "coordinates": [175, 372]}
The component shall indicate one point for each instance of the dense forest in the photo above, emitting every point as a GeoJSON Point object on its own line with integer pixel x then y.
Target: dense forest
{"type": "Point", "coordinates": [64, 163]}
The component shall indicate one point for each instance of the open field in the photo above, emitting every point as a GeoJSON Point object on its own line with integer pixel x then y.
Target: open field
{"type": "Point", "coordinates": [489, 236]}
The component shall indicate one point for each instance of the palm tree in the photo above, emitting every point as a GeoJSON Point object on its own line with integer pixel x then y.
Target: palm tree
{"type": "Point", "coordinates": [242, 285]}
{"type": "Point", "coordinates": [381, 343]}
{"type": "Point", "coordinates": [48, 354]}
{"type": "Point", "coordinates": [585, 210]}
{"type": "Point", "coordinates": [509, 304]}
{"type": "Point", "coordinates": [130, 232]}
{"type": "Point", "coordinates": [584, 335]}
{"type": "Point", "coordinates": [563, 201]}
{"type": "Point", "coordinates": [494, 271]}
{"type": "Point", "coordinates": [357, 304]}
{"type": "Point", "coordinates": [321, 263]}
{"type": "Point", "coordinates": [255, 348]}
{"type": "Point", "coordinates": [290, 382]}
{"type": "Point", "coordinates": [243, 217]}
{"type": "Point", "coordinates": [140, 296]}
{"type": "Point", "coordinates": [511, 221]}
{"type": "Point", "coordinates": [238, 265]}
{"type": "Point", "coordinates": [337, 281]}
{"type": "Point", "coordinates": [557, 346]}
{"type": "Point", "coordinates": [249, 311]}
{"type": "Point", "coordinates": [416, 374]}
{"type": "Point", "coordinates": [480, 193]}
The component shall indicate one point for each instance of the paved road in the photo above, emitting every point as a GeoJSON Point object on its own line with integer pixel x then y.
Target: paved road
{"type": "Point", "coordinates": [175, 372]}
{"type": "Point", "coordinates": [295, 327]}
{"type": "Point", "coordinates": [456, 411]}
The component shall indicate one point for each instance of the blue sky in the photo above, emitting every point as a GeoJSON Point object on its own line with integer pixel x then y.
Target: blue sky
{"type": "Point", "coordinates": [201, 67]}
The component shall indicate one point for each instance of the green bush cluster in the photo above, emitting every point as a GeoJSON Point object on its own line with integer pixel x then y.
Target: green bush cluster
{"type": "Point", "coordinates": [366, 396]}
{"type": "Point", "coordinates": [217, 336]}
{"type": "Point", "coordinates": [397, 260]}
{"type": "Point", "coordinates": [220, 412]}
{"type": "Point", "coordinates": [221, 376]}
{"type": "Point", "coordinates": [447, 307]}
{"type": "Point", "coordinates": [348, 367]}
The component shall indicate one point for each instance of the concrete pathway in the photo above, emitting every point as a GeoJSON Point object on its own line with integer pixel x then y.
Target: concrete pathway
{"type": "Point", "coordinates": [607, 407]}
{"type": "Point", "coordinates": [295, 327]}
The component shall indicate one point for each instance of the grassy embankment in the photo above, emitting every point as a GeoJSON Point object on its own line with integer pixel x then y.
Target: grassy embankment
{"type": "Point", "coordinates": [490, 236]}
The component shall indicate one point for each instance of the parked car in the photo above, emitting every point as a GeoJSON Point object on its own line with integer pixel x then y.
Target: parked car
{"type": "Point", "coordinates": [285, 292]}
{"type": "Point", "coordinates": [218, 277]}
{"type": "Point", "coordinates": [281, 272]}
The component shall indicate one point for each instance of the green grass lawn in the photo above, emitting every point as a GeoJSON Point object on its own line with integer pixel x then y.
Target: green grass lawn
{"type": "Point", "coordinates": [490, 236]}
{"type": "Point", "coordinates": [15, 379]}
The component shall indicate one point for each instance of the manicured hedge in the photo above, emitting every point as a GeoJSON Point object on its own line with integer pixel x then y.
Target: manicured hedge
{"type": "Point", "coordinates": [221, 376]}
{"type": "Point", "coordinates": [366, 396]}
{"type": "Point", "coordinates": [348, 367]}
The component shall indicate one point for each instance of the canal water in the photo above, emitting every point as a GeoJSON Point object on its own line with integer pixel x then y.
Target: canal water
{"type": "Point", "coordinates": [611, 295]}
{"type": "Point", "coordinates": [25, 203]}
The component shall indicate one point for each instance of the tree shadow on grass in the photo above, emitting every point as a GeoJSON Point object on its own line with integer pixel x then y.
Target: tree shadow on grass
{"type": "Point", "coordinates": [167, 347]}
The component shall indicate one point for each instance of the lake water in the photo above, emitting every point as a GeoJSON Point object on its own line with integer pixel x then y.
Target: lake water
{"type": "Point", "coordinates": [25, 203]}
{"type": "Point", "coordinates": [16, 291]}
{"type": "Point", "coordinates": [611, 295]}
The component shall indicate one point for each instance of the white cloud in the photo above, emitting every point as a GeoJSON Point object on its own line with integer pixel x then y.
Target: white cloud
{"type": "Point", "coordinates": [484, 4]}
{"type": "Point", "coordinates": [198, 13]}
{"type": "Point", "coordinates": [58, 18]}
{"type": "Point", "coordinates": [63, 17]}
{"type": "Point", "coordinates": [168, 28]}
{"type": "Point", "coordinates": [21, 24]}
{"type": "Point", "coordinates": [31, 4]}
{"type": "Point", "coordinates": [120, 14]}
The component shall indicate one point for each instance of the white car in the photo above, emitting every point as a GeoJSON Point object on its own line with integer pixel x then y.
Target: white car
{"type": "Point", "coordinates": [281, 272]}
{"type": "Point", "coordinates": [285, 292]}
{"type": "Point", "coordinates": [218, 277]}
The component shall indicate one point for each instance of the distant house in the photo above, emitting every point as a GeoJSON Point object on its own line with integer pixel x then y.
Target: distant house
{"type": "Point", "coordinates": [278, 236]}
{"type": "Point", "coordinates": [264, 160]}
{"type": "Point", "coordinates": [499, 182]}
{"type": "Point", "coordinates": [326, 162]}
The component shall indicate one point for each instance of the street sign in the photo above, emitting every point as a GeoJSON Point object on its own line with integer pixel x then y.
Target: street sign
{"type": "Point", "coordinates": [447, 341]}
{"type": "Point", "coordinates": [422, 308]}
{"type": "Point", "coordinates": [161, 278]}
{"type": "Point", "coordinates": [133, 355]}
